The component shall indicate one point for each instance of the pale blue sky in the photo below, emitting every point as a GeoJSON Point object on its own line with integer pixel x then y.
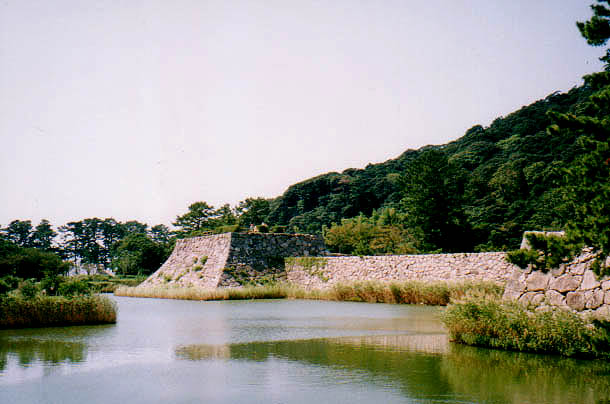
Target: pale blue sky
{"type": "Point", "coordinates": [135, 109]}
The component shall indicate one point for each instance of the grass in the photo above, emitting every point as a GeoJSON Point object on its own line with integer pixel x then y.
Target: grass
{"type": "Point", "coordinates": [511, 326]}
{"type": "Point", "coordinates": [45, 311]}
{"type": "Point", "coordinates": [410, 292]}
{"type": "Point", "coordinates": [107, 284]}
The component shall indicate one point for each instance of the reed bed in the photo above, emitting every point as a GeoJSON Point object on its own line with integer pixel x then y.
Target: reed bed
{"type": "Point", "coordinates": [45, 311]}
{"type": "Point", "coordinates": [511, 326]}
{"type": "Point", "coordinates": [410, 292]}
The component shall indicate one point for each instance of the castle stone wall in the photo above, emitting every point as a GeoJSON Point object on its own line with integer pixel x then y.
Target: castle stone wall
{"type": "Point", "coordinates": [323, 272]}
{"type": "Point", "coordinates": [232, 259]}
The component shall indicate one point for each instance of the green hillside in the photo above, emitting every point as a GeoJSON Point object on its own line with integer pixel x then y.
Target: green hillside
{"type": "Point", "coordinates": [508, 175]}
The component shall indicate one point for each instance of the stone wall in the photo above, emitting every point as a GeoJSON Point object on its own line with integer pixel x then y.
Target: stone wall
{"type": "Point", "coordinates": [232, 259]}
{"type": "Point", "coordinates": [572, 286]}
{"type": "Point", "coordinates": [323, 272]}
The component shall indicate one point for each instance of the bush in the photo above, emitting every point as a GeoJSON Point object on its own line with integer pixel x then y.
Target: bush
{"type": "Point", "coordinates": [510, 326]}
{"type": "Point", "coordinates": [28, 289]}
{"type": "Point", "coordinates": [74, 287]}
{"type": "Point", "coordinates": [44, 311]}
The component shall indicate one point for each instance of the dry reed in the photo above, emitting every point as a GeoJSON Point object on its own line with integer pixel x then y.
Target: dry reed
{"type": "Point", "coordinates": [408, 292]}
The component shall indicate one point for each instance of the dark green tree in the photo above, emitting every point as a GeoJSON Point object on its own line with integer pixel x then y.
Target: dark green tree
{"type": "Point", "coordinates": [43, 235]}
{"type": "Point", "coordinates": [586, 187]}
{"type": "Point", "coordinates": [19, 232]}
{"type": "Point", "coordinates": [160, 233]}
{"type": "Point", "coordinates": [133, 226]}
{"type": "Point", "coordinates": [253, 211]}
{"type": "Point", "coordinates": [29, 263]}
{"type": "Point", "coordinates": [196, 219]}
{"type": "Point", "coordinates": [433, 203]}
{"type": "Point", "coordinates": [138, 254]}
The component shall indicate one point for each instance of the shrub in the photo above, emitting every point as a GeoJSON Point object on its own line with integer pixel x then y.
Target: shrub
{"type": "Point", "coordinates": [28, 289]}
{"type": "Point", "coordinates": [510, 326]}
{"type": "Point", "coordinates": [73, 287]}
{"type": "Point", "coordinates": [44, 311]}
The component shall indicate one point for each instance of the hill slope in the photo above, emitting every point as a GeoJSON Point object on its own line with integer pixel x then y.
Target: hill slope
{"type": "Point", "coordinates": [511, 179]}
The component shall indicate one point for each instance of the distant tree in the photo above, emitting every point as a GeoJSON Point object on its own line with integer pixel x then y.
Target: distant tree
{"type": "Point", "coordinates": [133, 226]}
{"type": "Point", "coordinates": [19, 232]}
{"type": "Point", "coordinates": [253, 211]}
{"type": "Point", "coordinates": [433, 203]}
{"type": "Point", "coordinates": [196, 219]}
{"type": "Point", "coordinates": [138, 254]}
{"type": "Point", "coordinates": [224, 216]}
{"type": "Point", "coordinates": [43, 235]}
{"type": "Point", "coordinates": [28, 263]}
{"type": "Point", "coordinates": [380, 234]}
{"type": "Point", "coordinates": [160, 233]}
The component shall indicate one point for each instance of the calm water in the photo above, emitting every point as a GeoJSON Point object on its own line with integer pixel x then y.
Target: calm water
{"type": "Point", "coordinates": [279, 351]}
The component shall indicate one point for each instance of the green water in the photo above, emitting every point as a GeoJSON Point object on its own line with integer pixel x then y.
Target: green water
{"type": "Point", "coordinates": [280, 351]}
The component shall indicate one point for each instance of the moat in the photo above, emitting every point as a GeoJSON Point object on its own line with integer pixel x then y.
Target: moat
{"type": "Point", "coordinates": [280, 351]}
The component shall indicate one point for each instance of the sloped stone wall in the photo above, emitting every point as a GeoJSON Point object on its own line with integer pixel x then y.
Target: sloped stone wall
{"type": "Point", "coordinates": [324, 272]}
{"type": "Point", "coordinates": [188, 265]}
{"type": "Point", "coordinates": [572, 286]}
{"type": "Point", "coordinates": [261, 256]}
{"type": "Point", "coordinates": [232, 259]}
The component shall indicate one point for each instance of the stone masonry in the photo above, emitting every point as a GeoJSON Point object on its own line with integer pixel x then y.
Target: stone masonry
{"type": "Point", "coordinates": [323, 272]}
{"type": "Point", "coordinates": [572, 286]}
{"type": "Point", "coordinates": [232, 259]}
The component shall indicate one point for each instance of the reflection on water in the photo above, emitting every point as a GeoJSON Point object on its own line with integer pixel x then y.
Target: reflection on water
{"type": "Point", "coordinates": [428, 367]}
{"type": "Point", "coordinates": [521, 377]}
{"type": "Point", "coordinates": [28, 351]}
{"type": "Point", "coordinates": [281, 352]}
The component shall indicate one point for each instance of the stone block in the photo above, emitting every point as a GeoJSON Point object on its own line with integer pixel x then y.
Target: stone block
{"type": "Point", "coordinates": [607, 297]}
{"type": "Point", "coordinates": [555, 298]}
{"type": "Point", "coordinates": [537, 281]}
{"type": "Point", "coordinates": [565, 283]}
{"type": "Point", "coordinates": [577, 269]}
{"type": "Point", "coordinates": [595, 299]}
{"type": "Point", "coordinates": [589, 281]}
{"type": "Point", "coordinates": [606, 285]}
{"type": "Point", "coordinates": [511, 294]}
{"type": "Point", "coordinates": [603, 311]}
{"type": "Point", "coordinates": [576, 300]}
{"type": "Point", "coordinates": [527, 297]}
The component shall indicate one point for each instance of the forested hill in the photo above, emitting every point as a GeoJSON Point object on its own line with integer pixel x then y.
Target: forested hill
{"type": "Point", "coordinates": [505, 178]}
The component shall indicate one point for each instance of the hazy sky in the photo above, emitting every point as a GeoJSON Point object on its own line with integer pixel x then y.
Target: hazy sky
{"type": "Point", "coordinates": [135, 109]}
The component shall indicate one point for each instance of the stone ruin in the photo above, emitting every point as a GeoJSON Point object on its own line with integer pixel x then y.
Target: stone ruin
{"type": "Point", "coordinates": [236, 259]}
{"type": "Point", "coordinates": [233, 259]}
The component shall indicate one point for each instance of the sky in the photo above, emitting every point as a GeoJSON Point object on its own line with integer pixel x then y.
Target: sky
{"type": "Point", "coordinates": [136, 109]}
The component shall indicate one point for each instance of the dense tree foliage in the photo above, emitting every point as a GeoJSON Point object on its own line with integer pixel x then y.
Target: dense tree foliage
{"type": "Point", "coordinates": [139, 254]}
{"type": "Point", "coordinates": [382, 233]}
{"type": "Point", "coordinates": [29, 263]}
{"type": "Point", "coordinates": [586, 181]}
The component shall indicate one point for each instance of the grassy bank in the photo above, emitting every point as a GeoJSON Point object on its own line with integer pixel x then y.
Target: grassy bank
{"type": "Point", "coordinates": [45, 311]}
{"type": "Point", "coordinates": [411, 292]}
{"type": "Point", "coordinates": [511, 326]}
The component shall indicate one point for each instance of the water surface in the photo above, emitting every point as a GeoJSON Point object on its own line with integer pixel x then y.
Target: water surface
{"type": "Point", "coordinates": [279, 351]}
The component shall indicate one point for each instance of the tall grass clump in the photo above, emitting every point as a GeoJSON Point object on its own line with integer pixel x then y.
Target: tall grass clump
{"type": "Point", "coordinates": [272, 291]}
{"type": "Point", "coordinates": [46, 311]}
{"type": "Point", "coordinates": [511, 326]}
{"type": "Point", "coordinates": [412, 292]}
